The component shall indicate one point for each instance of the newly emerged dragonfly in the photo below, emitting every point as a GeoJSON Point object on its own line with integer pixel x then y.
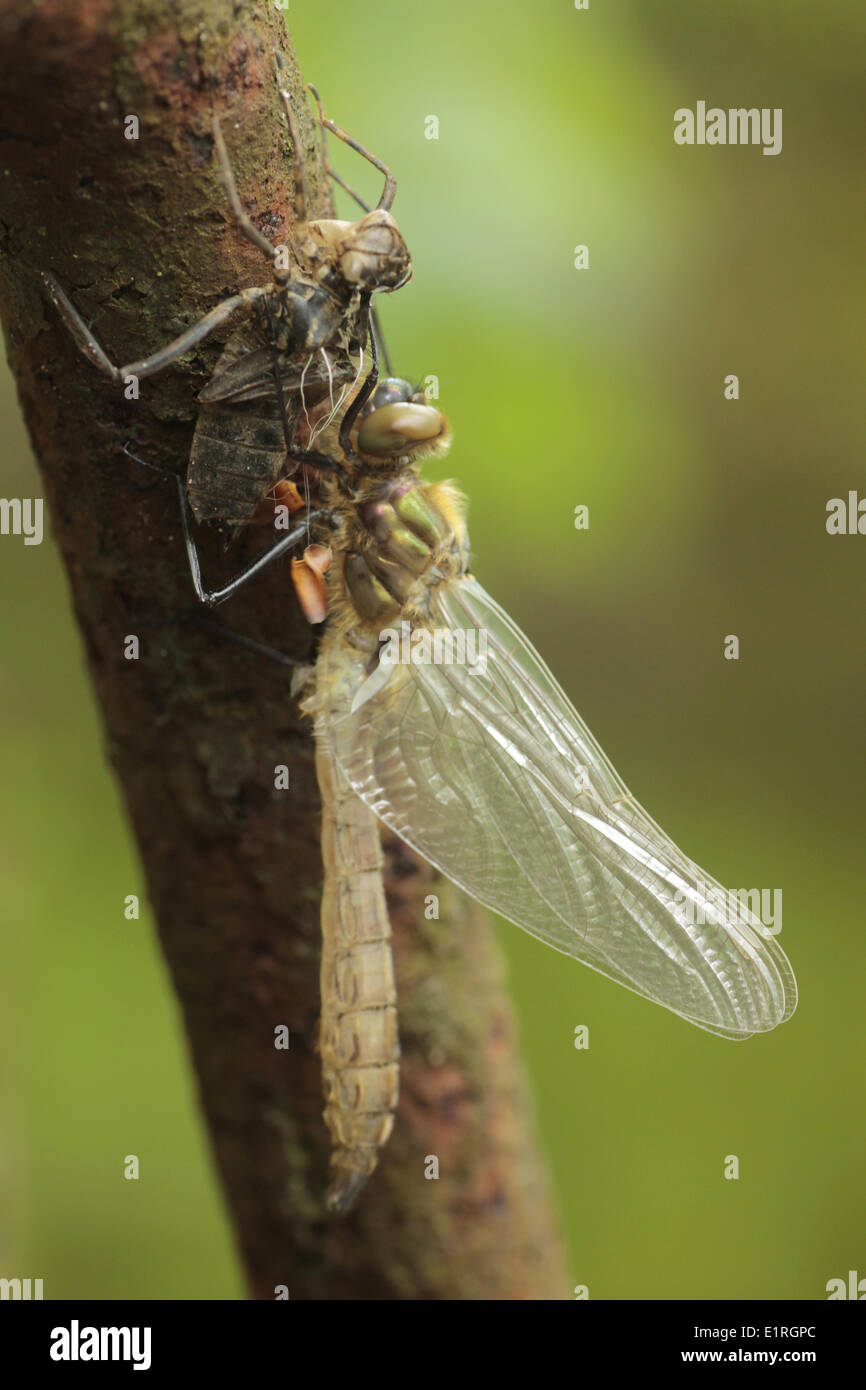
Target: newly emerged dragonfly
{"type": "Point", "coordinates": [434, 715]}
{"type": "Point", "coordinates": [488, 771]}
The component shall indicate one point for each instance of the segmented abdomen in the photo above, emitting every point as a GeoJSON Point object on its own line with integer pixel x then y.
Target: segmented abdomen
{"type": "Point", "coordinates": [236, 457]}
{"type": "Point", "coordinates": [358, 1036]}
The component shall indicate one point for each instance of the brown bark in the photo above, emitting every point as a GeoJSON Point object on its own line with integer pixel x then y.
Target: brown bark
{"type": "Point", "coordinates": [139, 235]}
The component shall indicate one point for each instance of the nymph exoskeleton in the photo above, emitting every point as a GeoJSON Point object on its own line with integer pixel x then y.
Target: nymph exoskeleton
{"type": "Point", "coordinates": [301, 342]}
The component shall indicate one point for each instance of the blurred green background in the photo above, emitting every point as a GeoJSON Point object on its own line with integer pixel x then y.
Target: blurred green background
{"type": "Point", "coordinates": [707, 517]}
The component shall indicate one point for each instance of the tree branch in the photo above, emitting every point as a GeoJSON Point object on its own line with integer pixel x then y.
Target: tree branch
{"type": "Point", "coordinates": [138, 234]}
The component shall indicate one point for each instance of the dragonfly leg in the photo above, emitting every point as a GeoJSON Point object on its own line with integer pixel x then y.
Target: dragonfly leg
{"type": "Point", "coordinates": [201, 619]}
{"type": "Point", "coordinates": [378, 338]}
{"type": "Point", "coordinates": [329, 168]}
{"type": "Point", "coordinates": [146, 366]}
{"type": "Point", "coordinates": [301, 193]}
{"type": "Point", "coordinates": [390, 188]}
{"type": "Point", "coordinates": [321, 461]}
{"type": "Point", "coordinates": [246, 224]}
{"type": "Point", "coordinates": [359, 402]}
{"type": "Point", "coordinates": [212, 597]}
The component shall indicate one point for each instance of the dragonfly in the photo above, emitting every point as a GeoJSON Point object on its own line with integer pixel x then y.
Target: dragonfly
{"type": "Point", "coordinates": [434, 716]}
{"type": "Point", "coordinates": [297, 344]}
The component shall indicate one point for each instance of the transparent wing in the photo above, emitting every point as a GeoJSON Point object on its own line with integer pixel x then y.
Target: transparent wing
{"type": "Point", "coordinates": [492, 775]}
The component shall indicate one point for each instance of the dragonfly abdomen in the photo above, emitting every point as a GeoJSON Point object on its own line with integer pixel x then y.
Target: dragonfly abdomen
{"type": "Point", "coordinates": [237, 455]}
{"type": "Point", "coordinates": [358, 1035]}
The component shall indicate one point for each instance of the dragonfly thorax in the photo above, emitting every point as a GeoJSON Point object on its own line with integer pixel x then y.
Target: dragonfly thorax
{"type": "Point", "coordinates": [399, 538]}
{"type": "Point", "coordinates": [302, 317]}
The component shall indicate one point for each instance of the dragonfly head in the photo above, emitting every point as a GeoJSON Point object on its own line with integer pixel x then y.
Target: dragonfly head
{"type": "Point", "coordinates": [366, 255]}
{"type": "Point", "coordinates": [399, 423]}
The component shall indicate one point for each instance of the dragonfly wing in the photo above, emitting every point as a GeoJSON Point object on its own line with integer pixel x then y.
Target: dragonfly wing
{"type": "Point", "coordinates": [250, 377]}
{"type": "Point", "coordinates": [491, 774]}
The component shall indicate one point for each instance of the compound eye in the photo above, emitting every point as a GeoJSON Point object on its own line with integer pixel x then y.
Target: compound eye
{"type": "Point", "coordinates": [389, 391]}
{"type": "Point", "coordinates": [393, 429]}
